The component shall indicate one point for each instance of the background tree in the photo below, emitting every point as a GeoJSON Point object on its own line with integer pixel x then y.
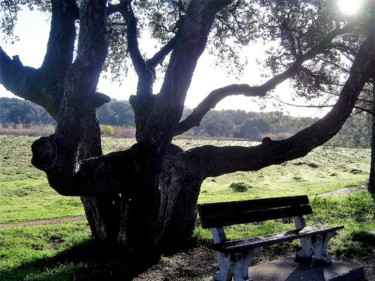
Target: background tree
{"type": "Point", "coordinates": [145, 197]}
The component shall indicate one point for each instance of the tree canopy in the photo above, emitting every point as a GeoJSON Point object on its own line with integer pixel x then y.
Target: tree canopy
{"type": "Point", "coordinates": [144, 197]}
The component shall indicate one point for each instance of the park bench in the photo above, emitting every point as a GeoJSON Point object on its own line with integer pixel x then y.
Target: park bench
{"type": "Point", "coordinates": [234, 256]}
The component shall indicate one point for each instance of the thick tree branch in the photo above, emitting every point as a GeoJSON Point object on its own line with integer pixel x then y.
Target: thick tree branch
{"type": "Point", "coordinates": [13, 74]}
{"type": "Point", "coordinates": [217, 95]}
{"type": "Point", "coordinates": [57, 155]}
{"type": "Point", "coordinates": [27, 82]}
{"type": "Point", "coordinates": [215, 161]}
{"type": "Point", "coordinates": [190, 42]}
{"type": "Point", "coordinates": [212, 99]}
{"type": "Point", "coordinates": [44, 86]}
{"type": "Point", "coordinates": [79, 98]}
{"type": "Point", "coordinates": [146, 74]}
{"type": "Point", "coordinates": [60, 46]}
{"type": "Point", "coordinates": [113, 172]}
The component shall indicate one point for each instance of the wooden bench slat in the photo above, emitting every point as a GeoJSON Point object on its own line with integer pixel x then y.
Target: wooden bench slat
{"type": "Point", "coordinates": [269, 239]}
{"type": "Point", "coordinates": [254, 204]}
{"type": "Point", "coordinates": [237, 216]}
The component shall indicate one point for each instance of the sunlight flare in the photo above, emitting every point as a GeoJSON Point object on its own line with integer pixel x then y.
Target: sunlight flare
{"type": "Point", "coordinates": [349, 7]}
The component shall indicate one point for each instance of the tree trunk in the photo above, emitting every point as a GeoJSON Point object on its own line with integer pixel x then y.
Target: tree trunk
{"type": "Point", "coordinates": [102, 213]}
{"type": "Point", "coordinates": [144, 198]}
{"type": "Point", "coordinates": [159, 214]}
{"type": "Point", "coordinates": [371, 184]}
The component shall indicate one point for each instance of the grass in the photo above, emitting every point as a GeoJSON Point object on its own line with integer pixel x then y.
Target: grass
{"type": "Point", "coordinates": [30, 251]}
{"type": "Point", "coordinates": [356, 211]}
{"type": "Point", "coordinates": [323, 170]}
{"type": "Point", "coordinates": [64, 251]}
{"type": "Point", "coordinates": [24, 190]}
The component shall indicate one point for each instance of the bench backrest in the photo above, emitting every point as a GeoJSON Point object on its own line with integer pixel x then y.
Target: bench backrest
{"type": "Point", "coordinates": [237, 212]}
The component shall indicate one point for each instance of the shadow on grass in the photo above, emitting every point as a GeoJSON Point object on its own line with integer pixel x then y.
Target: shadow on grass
{"type": "Point", "coordinates": [91, 260]}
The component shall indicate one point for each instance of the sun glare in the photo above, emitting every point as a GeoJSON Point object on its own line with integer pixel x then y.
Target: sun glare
{"type": "Point", "coordinates": [349, 7]}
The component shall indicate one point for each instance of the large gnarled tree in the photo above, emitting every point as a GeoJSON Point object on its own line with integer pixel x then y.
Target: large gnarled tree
{"type": "Point", "coordinates": [145, 197]}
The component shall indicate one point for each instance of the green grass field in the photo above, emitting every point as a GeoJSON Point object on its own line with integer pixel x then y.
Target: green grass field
{"type": "Point", "coordinates": [45, 252]}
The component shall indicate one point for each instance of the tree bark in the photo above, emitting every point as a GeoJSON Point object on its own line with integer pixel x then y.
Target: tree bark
{"type": "Point", "coordinates": [145, 197]}
{"type": "Point", "coordinates": [371, 183]}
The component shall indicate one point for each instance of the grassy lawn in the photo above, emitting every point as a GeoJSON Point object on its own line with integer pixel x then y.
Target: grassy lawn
{"type": "Point", "coordinates": [24, 190]}
{"type": "Point", "coordinates": [62, 251]}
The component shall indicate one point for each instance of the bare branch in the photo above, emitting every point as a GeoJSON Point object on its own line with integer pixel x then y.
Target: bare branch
{"type": "Point", "coordinates": [145, 74]}
{"type": "Point", "coordinates": [301, 105]}
{"type": "Point", "coordinates": [159, 57]}
{"type": "Point", "coordinates": [217, 95]}
{"type": "Point", "coordinates": [362, 109]}
{"type": "Point", "coordinates": [212, 99]}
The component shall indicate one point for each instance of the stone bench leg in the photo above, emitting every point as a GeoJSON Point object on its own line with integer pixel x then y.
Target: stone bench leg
{"type": "Point", "coordinates": [234, 265]}
{"type": "Point", "coordinates": [320, 243]}
{"type": "Point", "coordinates": [315, 246]}
{"type": "Point", "coordinates": [224, 273]}
{"type": "Point", "coordinates": [307, 249]}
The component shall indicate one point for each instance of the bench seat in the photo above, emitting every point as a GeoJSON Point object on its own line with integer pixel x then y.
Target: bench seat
{"type": "Point", "coordinates": [239, 245]}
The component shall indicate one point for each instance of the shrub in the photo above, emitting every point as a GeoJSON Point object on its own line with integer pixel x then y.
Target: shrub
{"type": "Point", "coordinates": [239, 186]}
{"type": "Point", "coordinates": [107, 130]}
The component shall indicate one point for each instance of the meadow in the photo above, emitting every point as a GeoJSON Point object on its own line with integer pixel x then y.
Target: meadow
{"type": "Point", "coordinates": [45, 252]}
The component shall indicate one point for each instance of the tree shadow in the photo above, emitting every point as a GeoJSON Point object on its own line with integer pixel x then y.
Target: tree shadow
{"type": "Point", "coordinates": [91, 260]}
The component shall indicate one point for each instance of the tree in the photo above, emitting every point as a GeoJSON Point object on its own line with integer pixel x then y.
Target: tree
{"type": "Point", "coordinates": [116, 113]}
{"type": "Point", "coordinates": [253, 129]}
{"type": "Point", "coordinates": [15, 111]}
{"type": "Point", "coordinates": [216, 124]}
{"type": "Point", "coordinates": [145, 197]}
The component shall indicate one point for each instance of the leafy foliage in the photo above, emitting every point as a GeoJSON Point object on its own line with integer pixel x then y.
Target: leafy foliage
{"type": "Point", "coordinates": [239, 186]}
{"type": "Point", "coordinates": [15, 111]}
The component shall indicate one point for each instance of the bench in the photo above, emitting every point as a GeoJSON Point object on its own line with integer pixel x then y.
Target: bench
{"type": "Point", "coordinates": [234, 256]}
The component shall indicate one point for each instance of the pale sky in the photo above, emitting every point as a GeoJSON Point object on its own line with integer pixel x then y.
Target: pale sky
{"type": "Point", "coordinates": [33, 30]}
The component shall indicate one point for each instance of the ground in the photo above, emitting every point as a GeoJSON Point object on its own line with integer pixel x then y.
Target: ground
{"type": "Point", "coordinates": [199, 264]}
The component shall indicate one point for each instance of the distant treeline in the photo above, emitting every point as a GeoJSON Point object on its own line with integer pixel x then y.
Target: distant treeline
{"type": "Point", "coordinates": [225, 123]}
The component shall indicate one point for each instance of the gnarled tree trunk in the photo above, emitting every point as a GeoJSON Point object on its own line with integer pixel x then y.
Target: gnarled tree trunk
{"type": "Point", "coordinates": [144, 197]}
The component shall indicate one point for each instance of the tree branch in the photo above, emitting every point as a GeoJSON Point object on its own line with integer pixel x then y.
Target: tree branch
{"type": "Point", "coordinates": [146, 74]}
{"type": "Point", "coordinates": [159, 57]}
{"type": "Point", "coordinates": [212, 99]}
{"type": "Point", "coordinates": [26, 82]}
{"type": "Point", "coordinates": [302, 105]}
{"type": "Point", "coordinates": [43, 86]}
{"type": "Point", "coordinates": [217, 95]}
{"type": "Point", "coordinates": [80, 98]}
{"type": "Point", "coordinates": [113, 172]}
{"type": "Point", "coordinates": [362, 109]}
{"type": "Point", "coordinates": [60, 45]}
{"type": "Point", "coordinates": [215, 161]}
{"type": "Point", "coordinates": [190, 42]}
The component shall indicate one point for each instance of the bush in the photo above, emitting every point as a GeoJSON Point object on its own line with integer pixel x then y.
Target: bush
{"type": "Point", "coordinates": [239, 186]}
{"type": "Point", "coordinates": [107, 130]}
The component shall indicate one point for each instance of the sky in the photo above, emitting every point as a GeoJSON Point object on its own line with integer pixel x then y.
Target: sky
{"type": "Point", "coordinates": [33, 30]}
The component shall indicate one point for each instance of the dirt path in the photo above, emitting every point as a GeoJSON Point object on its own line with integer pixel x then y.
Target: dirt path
{"type": "Point", "coordinates": [344, 190]}
{"type": "Point", "coordinates": [43, 222]}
